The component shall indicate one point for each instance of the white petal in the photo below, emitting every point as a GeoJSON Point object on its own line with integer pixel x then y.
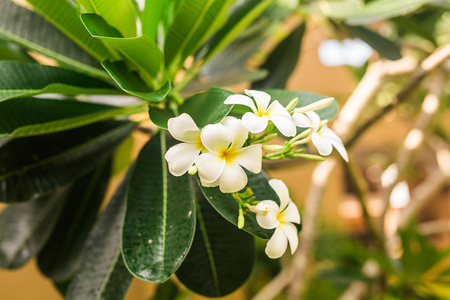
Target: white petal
{"type": "Point", "coordinates": [290, 214]}
{"type": "Point", "coordinates": [285, 125]}
{"type": "Point", "coordinates": [282, 191]}
{"type": "Point", "coordinates": [276, 109]}
{"type": "Point", "coordinates": [322, 144]}
{"type": "Point", "coordinates": [209, 166]}
{"type": "Point", "coordinates": [291, 233]}
{"type": "Point", "coordinates": [268, 221]}
{"type": "Point", "coordinates": [239, 133]}
{"type": "Point", "coordinates": [216, 138]}
{"type": "Point", "coordinates": [335, 140]}
{"type": "Point", "coordinates": [183, 128]}
{"type": "Point", "coordinates": [250, 158]}
{"type": "Point", "coordinates": [241, 100]}
{"type": "Point", "coordinates": [277, 244]}
{"type": "Point", "coordinates": [181, 157]}
{"type": "Point", "coordinates": [340, 148]}
{"type": "Point", "coordinates": [314, 117]}
{"type": "Point", "coordinates": [301, 120]}
{"type": "Point", "coordinates": [253, 123]}
{"type": "Point", "coordinates": [262, 99]}
{"type": "Point", "coordinates": [210, 184]}
{"type": "Point", "coordinates": [233, 178]}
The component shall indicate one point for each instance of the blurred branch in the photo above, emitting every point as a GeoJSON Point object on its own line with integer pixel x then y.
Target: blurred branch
{"type": "Point", "coordinates": [427, 65]}
{"type": "Point", "coordinates": [434, 227]}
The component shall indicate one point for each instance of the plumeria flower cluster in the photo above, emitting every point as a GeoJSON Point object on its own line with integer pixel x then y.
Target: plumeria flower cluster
{"type": "Point", "coordinates": [220, 152]}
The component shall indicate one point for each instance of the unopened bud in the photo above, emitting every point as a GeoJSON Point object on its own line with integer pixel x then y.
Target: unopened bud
{"type": "Point", "coordinates": [192, 170]}
{"type": "Point", "coordinates": [272, 148]}
{"type": "Point", "coordinates": [315, 105]}
{"type": "Point", "coordinates": [292, 104]}
{"type": "Point", "coordinates": [260, 209]}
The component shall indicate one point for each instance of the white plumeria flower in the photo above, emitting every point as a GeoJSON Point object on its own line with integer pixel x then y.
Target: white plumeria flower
{"type": "Point", "coordinates": [222, 165]}
{"type": "Point", "coordinates": [270, 215]}
{"type": "Point", "coordinates": [257, 121]}
{"type": "Point", "coordinates": [182, 156]}
{"type": "Point", "coordinates": [323, 137]}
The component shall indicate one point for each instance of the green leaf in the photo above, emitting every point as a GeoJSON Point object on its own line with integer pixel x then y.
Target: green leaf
{"type": "Point", "coordinates": [122, 156]}
{"type": "Point", "coordinates": [26, 227]}
{"type": "Point", "coordinates": [131, 83]}
{"type": "Point", "coordinates": [60, 257]}
{"type": "Point", "coordinates": [64, 16]}
{"type": "Point", "coordinates": [166, 291]}
{"type": "Point", "coordinates": [227, 206]}
{"type": "Point", "coordinates": [160, 216]}
{"type": "Point", "coordinates": [282, 61]}
{"type": "Point", "coordinates": [141, 51]}
{"type": "Point", "coordinates": [120, 14]}
{"type": "Point", "coordinates": [304, 98]}
{"type": "Point", "coordinates": [205, 108]}
{"type": "Point", "coordinates": [151, 17]}
{"type": "Point", "coordinates": [23, 79]}
{"type": "Point", "coordinates": [192, 24]}
{"type": "Point", "coordinates": [236, 23]}
{"type": "Point", "coordinates": [31, 167]}
{"type": "Point", "coordinates": [10, 51]}
{"type": "Point", "coordinates": [360, 14]}
{"type": "Point", "coordinates": [382, 45]}
{"type": "Point", "coordinates": [22, 117]}
{"type": "Point", "coordinates": [221, 257]}
{"type": "Point", "coordinates": [32, 31]}
{"type": "Point", "coordinates": [102, 273]}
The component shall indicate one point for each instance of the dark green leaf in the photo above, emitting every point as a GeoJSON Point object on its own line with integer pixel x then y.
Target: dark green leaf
{"type": "Point", "coordinates": [382, 45]}
{"type": "Point", "coordinates": [221, 257]}
{"type": "Point", "coordinates": [205, 108]}
{"type": "Point", "coordinates": [10, 51]}
{"type": "Point", "coordinates": [34, 166]}
{"type": "Point", "coordinates": [26, 227]}
{"type": "Point", "coordinates": [102, 273]}
{"type": "Point", "coordinates": [32, 31]}
{"type": "Point", "coordinates": [160, 217]}
{"type": "Point", "coordinates": [282, 61]}
{"type": "Point", "coordinates": [35, 116]}
{"type": "Point", "coordinates": [131, 83]}
{"type": "Point", "coordinates": [227, 206]}
{"type": "Point", "coordinates": [141, 51]}
{"type": "Point", "coordinates": [60, 257]}
{"type": "Point", "coordinates": [63, 15]}
{"type": "Point", "coordinates": [20, 79]}
{"type": "Point", "coordinates": [121, 14]}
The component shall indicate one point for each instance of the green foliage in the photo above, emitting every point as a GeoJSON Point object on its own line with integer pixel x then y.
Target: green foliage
{"type": "Point", "coordinates": [160, 218]}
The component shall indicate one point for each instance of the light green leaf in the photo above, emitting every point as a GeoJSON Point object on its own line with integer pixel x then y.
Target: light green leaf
{"type": "Point", "coordinates": [35, 116]}
{"type": "Point", "coordinates": [151, 17]}
{"type": "Point", "coordinates": [23, 79]}
{"type": "Point", "coordinates": [227, 206]}
{"type": "Point", "coordinates": [141, 51]}
{"type": "Point", "coordinates": [193, 22]}
{"type": "Point", "coordinates": [102, 273]}
{"type": "Point", "coordinates": [64, 16]}
{"type": "Point", "coordinates": [221, 257]}
{"type": "Point", "coordinates": [26, 227]}
{"type": "Point", "coordinates": [122, 156]}
{"type": "Point", "coordinates": [159, 222]}
{"type": "Point", "coordinates": [236, 23]}
{"type": "Point", "coordinates": [205, 108]}
{"type": "Point", "coordinates": [32, 31]}
{"type": "Point", "coordinates": [60, 257]}
{"type": "Point", "coordinates": [282, 61]}
{"type": "Point", "coordinates": [131, 83]}
{"type": "Point", "coordinates": [31, 167]}
{"type": "Point", "coordinates": [120, 14]}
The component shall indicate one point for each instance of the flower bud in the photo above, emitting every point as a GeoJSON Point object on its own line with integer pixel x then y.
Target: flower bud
{"type": "Point", "coordinates": [292, 104]}
{"type": "Point", "coordinates": [315, 105]}
{"type": "Point", "coordinates": [272, 148]}
{"type": "Point", "coordinates": [192, 170]}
